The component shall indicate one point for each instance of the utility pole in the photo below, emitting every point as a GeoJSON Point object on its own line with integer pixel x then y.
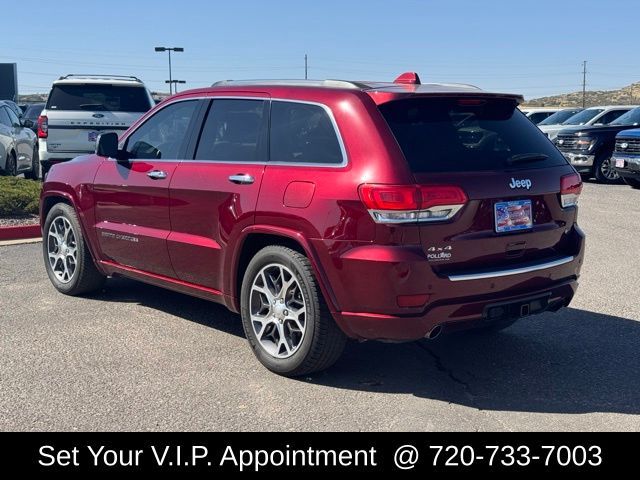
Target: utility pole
{"type": "Point", "coordinates": [305, 66]}
{"type": "Point", "coordinates": [584, 82]}
{"type": "Point", "coordinates": [169, 49]}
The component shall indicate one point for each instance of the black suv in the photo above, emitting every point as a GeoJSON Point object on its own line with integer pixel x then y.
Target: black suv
{"type": "Point", "coordinates": [589, 148]}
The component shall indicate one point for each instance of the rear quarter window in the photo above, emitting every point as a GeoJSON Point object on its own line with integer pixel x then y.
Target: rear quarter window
{"type": "Point", "coordinates": [455, 135]}
{"type": "Point", "coordinates": [98, 97]}
{"type": "Point", "coordinates": [303, 133]}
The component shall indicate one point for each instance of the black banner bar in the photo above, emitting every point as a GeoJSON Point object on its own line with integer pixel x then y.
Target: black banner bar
{"type": "Point", "coordinates": [230, 454]}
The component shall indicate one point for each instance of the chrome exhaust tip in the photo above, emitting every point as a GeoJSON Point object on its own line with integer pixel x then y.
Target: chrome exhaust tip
{"type": "Point", "coordinates": [434, 333]}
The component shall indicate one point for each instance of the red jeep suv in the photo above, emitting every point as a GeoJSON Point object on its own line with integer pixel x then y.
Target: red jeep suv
{"type": "Point", "coordinates": [326, 210]}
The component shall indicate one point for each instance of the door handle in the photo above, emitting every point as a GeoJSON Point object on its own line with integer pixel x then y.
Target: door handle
{"type": "Point", "coordinates": [157, 175]}
{"type": "Point", "coordinates": [242, 179]}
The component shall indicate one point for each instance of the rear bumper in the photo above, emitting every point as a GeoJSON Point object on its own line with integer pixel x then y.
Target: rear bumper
{"type": "Point", "coordinates": [457, 315]}
{"type": "Point", "coordinates": [373, 280]}
{"type": "Point", "coordinates": [48, 158]}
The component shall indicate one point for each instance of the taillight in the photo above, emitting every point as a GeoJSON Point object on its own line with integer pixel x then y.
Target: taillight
{"type": "Point", "coordinates": [570, 188]}
{"type": "Point", "coordinates": [412, 203]}
{"type": "Point", "coordinates": [43, 126]}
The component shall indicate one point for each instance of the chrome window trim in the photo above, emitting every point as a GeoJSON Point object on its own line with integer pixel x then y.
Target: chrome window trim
{"type": "Point", "coordinates": [511, 271]}
{"type": "Point", "coordinates": [327, 109]}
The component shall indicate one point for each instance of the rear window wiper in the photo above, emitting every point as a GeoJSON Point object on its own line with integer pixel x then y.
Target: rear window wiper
{"type": "Point", "coordinates": [526, 157]}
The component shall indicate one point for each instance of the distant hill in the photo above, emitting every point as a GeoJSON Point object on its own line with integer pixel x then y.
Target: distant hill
{"type": "Point", "coordinates": [33, 98]}
{"type": "Point", "coordinates": [629, 95]}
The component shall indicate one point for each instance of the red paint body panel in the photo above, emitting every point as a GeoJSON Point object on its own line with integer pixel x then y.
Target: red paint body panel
{"type": "Point", "coordinates": [132, 214]}
{"type": "Point", "coordinates": [205, 205]}
{"type": "Point", "coordinates": [187, 232]}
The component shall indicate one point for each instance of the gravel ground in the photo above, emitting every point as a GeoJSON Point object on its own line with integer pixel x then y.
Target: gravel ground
{"type": "Point", "coordinates": [19, 221]}
{"type": "Point", "coordinates": [135, 357]}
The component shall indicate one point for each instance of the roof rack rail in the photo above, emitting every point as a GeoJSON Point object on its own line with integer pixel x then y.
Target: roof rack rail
{"type": "Point", "coordinates": [100, 76]}
{"type": "Point", "coordinates": [295, 83]}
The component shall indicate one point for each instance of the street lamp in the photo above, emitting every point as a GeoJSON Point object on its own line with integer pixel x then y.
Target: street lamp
{"type": "Point", "coordinates": [174, 82]}
{"type": "Point", "coordinates": [169, 49]}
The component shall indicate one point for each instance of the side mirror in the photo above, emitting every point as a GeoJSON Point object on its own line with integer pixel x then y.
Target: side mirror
{"type": "Point", "coordinates": [107, 145]}
{"type": "Point", "coordinates": [27, 123]}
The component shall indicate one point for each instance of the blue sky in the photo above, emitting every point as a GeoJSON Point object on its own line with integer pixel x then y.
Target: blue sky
{"type": "Point", "coordinates": [534, 48]}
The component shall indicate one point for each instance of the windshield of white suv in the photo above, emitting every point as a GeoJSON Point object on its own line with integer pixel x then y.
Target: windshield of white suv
{"type": "Point", "coordinates": [583, 117]}
{"type": "Point", "coordinates": [98, 97]}
{"type": "Point", "coordinates": [559, 117]}
{"type": "Point", "coordinates": [632, 117]}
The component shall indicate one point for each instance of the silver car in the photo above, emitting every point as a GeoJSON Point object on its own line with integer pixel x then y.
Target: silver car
{"type": "Point", "coordinates": [18, 145]}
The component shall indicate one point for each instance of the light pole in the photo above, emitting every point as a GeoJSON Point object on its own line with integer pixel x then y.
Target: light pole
{"type": "Point", "coordinates": [174, 82]}
{"type": "Point", "coordinates": [169, 49]}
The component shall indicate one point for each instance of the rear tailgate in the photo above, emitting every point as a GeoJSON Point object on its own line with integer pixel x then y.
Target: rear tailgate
{"type": "Point", "coordinates": [509, 171]}
{"type": "Point", "coordinates": [73, 131]}
{"type": "Point", "coordinates": [471, 241]}
{"type": "Point", "coordinates": [78, 111]}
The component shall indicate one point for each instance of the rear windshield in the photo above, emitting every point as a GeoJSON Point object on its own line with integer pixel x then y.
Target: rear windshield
{"type": "Point", "coordinates": [454, 135]}
{"type": "Point", "coordinates": [559, 117]}
{"type": "Point", "coordinates": [103, 97]}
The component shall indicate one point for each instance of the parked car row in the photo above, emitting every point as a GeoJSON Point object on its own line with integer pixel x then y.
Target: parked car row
{"type": "Point", "coordinates": [79, 108]}
{"type": "Point", "coordinates": [589, 147]}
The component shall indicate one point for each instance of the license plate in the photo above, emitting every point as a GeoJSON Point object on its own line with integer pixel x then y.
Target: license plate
{"type": "Point", "coordinates": [93, 136]}
{"type": "Point", "coordinates": [514, 215]}
{"type": "Point", "coordinates": [619, 162]}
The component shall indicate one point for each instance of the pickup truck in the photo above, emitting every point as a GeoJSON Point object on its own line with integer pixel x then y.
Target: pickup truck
{"type": "Point", "coordinates": [589, 148]}
{"type": "Point", "coordinates": [626, 157]}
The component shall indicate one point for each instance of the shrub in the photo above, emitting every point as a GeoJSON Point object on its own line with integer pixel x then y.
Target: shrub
{"type": "Point", "coordinates": [19, 196]}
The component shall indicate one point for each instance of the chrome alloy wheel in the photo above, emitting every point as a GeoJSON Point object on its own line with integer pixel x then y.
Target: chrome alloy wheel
{"type": "Point", "coordinates": [278, 310]}
{"type": "Point", "coordinates": [62, 248]}
{"type": "Point", "coordinates": [607, 170]}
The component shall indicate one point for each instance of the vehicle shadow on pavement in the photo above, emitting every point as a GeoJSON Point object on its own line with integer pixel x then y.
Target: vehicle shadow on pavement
{"type": "Point", "coordinates": [574, 361]}
{"type": "Point", "coordinates": [190, 308]}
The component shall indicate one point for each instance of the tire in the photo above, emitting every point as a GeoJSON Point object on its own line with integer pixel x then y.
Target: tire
{"type": "Point", "coordinates": [81, 275]}
{"type": "Point", "coordinates": [10, 166]}
{"type": "Point", "coordinates": [604, 172]}
{"type": "Point", "coordinates": [34, 173]}
{"type": "Point", "coordinates": [632, 182]}
{"type": "Point", "coordinates": [313, 343]}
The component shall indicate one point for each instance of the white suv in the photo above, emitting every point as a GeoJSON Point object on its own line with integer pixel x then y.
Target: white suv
{"type": "Point", "coordinates": [80, 107]}
{"type": "Point", "coordinates": [602, 115]}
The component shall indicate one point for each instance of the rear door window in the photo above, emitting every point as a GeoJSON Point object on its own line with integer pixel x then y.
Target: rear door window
{"type": "Point", "coordinates": [98, 97]}
{"type": "Point", "coordinates": [454, 135]}
{"type": "Point", "coordinates": [234, 131]}
{"type": "Point", "coordinates": [303, 133]}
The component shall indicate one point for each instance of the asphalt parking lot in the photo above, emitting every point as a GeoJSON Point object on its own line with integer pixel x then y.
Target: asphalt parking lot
{"type": "Point", "coordinates": [136, 357]}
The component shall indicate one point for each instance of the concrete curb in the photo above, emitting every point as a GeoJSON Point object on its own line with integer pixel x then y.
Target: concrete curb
{"type": "Point", "coordinates": [20, 232]}
{"type": "Point", "coordinates": [24, 241]}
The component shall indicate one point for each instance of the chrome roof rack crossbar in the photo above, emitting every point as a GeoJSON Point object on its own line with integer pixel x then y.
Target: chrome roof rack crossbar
{"type": "Point", "coordinates": [98, 75]}
{"type": "Point", "coordinates": [295, 83]}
